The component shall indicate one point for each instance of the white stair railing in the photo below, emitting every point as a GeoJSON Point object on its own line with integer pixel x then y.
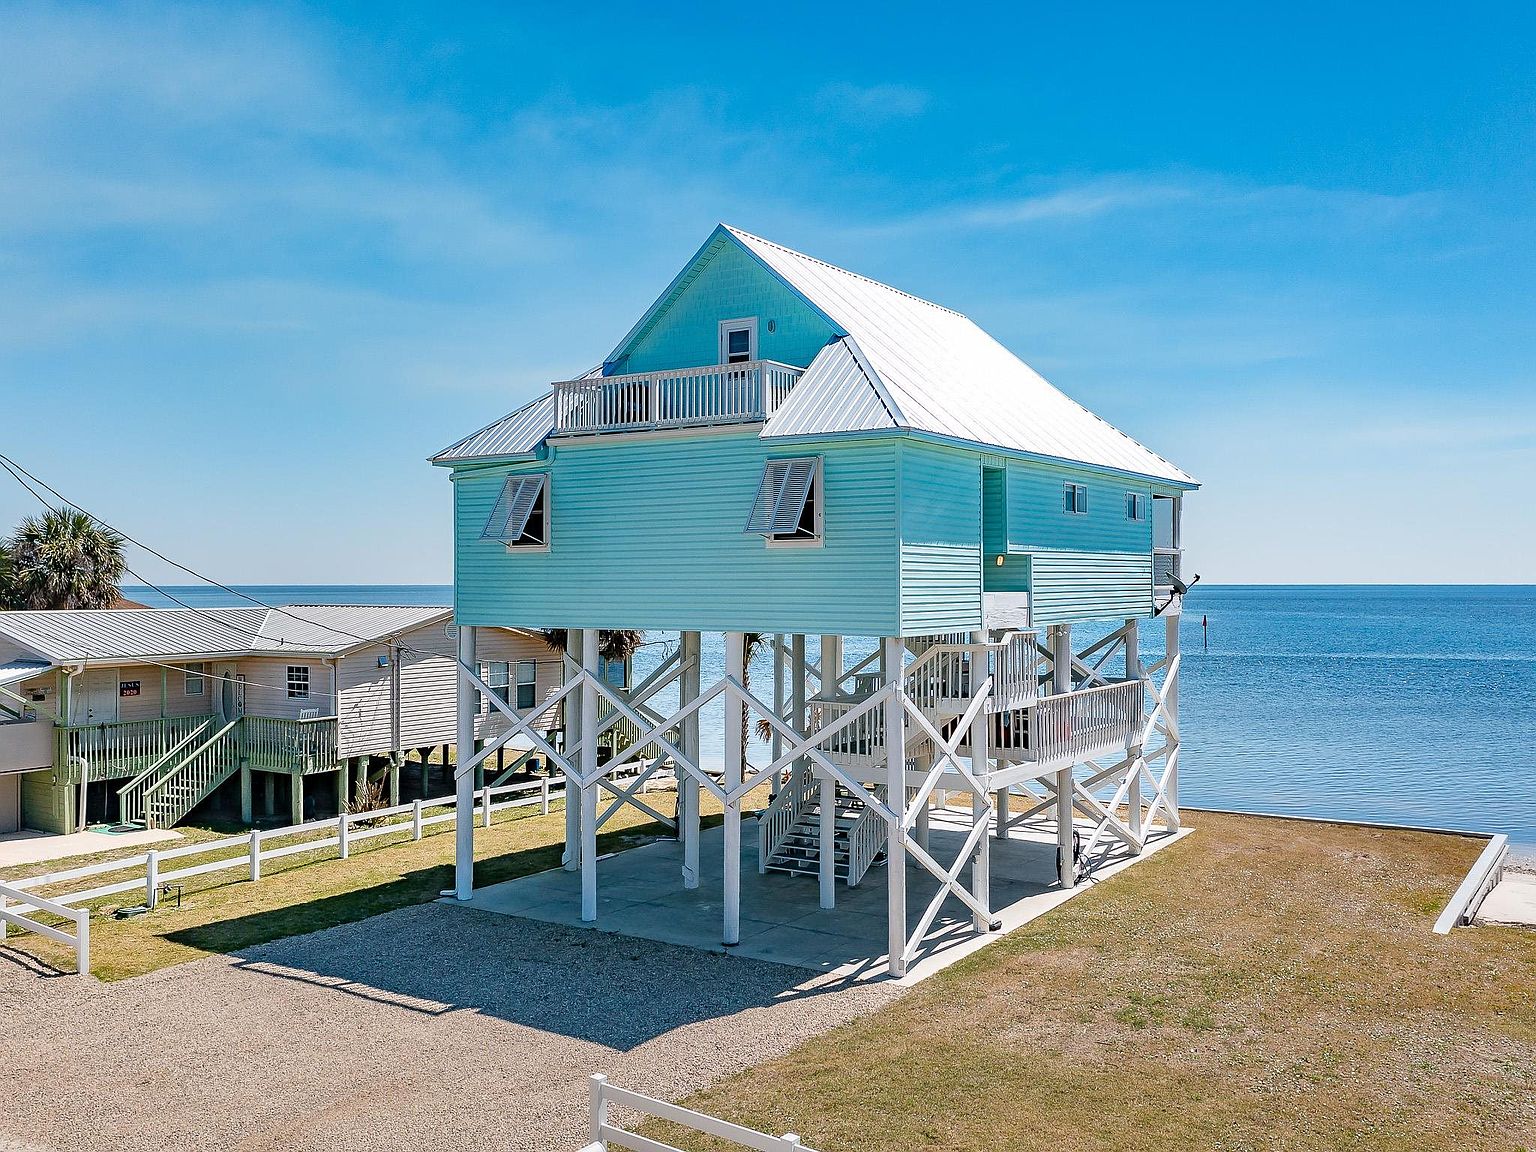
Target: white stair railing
{"type": "Point", "coordinates": [865, 840]}
{"type": "Point", "coordinates": [788, 807]}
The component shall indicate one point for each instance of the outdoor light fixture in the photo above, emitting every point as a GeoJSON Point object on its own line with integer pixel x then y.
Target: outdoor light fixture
{"type": "Point", "coordinates": [999, 560]}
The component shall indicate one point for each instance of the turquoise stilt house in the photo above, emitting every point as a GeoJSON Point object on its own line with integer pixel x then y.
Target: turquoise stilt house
{"type": "Point", "coordinates": [781, 447]}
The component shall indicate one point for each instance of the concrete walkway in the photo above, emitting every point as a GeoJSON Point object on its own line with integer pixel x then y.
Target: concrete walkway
{"type": "Point", "coordinates": [430, 1027]}
{"type": "Point", "coordinates": [17, 848]}
{"type": "Point", "coordinates": [1512, 901]}
{"type": "Point", "coordinates": [640, 894]}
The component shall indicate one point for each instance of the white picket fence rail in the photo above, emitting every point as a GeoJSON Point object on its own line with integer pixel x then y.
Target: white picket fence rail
{"type": "Point", "coordinates": [607, 1135]}
{"type": "Point", "coordinates": [244, 851]}
{"type": "Point", "coordinates": [80, 917]}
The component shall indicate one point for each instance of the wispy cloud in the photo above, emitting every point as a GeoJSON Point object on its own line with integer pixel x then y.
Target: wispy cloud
{"type": "Point", "coordinates": [869, 106]}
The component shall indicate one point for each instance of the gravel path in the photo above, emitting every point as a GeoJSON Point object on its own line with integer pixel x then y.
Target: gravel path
{"type": "Point", "coordinates": [424, 1028]}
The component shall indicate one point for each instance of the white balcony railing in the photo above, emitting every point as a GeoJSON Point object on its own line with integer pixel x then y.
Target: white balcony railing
{"type": "Point", "coordinates": [677, 398]}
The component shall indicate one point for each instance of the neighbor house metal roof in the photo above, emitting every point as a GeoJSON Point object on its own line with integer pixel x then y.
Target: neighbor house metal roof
{"type": "Point", "coordinates": [76, 635]}
{"type": "Point", "coordinates": [943, 374]}
{"type": "Point", "coordinates": [14, 671]}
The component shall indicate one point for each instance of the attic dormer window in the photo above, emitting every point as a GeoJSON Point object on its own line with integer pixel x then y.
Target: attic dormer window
{"type": "Point", "coordinates": [520, 518]}
{"type": "Point", "coordinates": [738, 340]}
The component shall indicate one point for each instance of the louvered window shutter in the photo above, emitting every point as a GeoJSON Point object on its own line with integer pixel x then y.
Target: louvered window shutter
{"type": "Point", "coordinates": [509, 519]}
{"type": "Point", "coordinates": [781, 496]}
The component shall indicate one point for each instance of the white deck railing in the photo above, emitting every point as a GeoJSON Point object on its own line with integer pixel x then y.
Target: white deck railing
{"type": "Point", "coordinates": [1091, 722]}
{"type": "Point", "coordinates": [678, 398]}
{"type": "Point", "coordinates": [607, 1135]}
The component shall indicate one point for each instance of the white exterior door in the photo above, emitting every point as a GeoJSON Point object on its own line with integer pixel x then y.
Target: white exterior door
{"type": "Point", "coordinates": [95, 697]}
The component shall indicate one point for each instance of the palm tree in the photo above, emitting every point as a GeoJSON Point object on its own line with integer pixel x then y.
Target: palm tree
{"type": "Point", "coordinates": [615, 644]}
{"type": "Point", "coordinates": [63, 559]}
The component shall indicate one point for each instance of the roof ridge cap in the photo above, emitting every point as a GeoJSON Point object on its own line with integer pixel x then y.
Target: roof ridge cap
{"type": "Point", "coordinates": [744, 234]}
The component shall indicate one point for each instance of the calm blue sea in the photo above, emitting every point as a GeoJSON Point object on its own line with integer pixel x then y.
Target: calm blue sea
{"type": "Point", "coordinates": [1413, 705]}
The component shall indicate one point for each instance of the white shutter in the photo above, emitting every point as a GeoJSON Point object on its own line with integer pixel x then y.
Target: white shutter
{"type": "Point", "coordinates": [509, 519]}
{"type": "Point", "coordinates": [781, 496]}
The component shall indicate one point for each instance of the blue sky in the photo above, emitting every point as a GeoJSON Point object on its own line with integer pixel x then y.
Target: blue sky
{"type": "Point", "coordinates": [257, 263]}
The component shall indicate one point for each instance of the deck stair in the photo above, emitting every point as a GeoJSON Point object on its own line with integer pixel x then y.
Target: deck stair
{"type": "Point", "coordinates": [789, 831]}
{"type": "Point", "coordinates": [186, 779]}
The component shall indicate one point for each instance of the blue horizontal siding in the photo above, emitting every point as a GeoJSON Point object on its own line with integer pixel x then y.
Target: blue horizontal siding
{"type": "Point", "coordinates": [1071, 586]}
{"type": "Point", "coordinates": [940, 539]}
{"type": "Point", "coordinates": [730, 284]}
{"type": "Point", "coordinates": [647, 533]}
{"type": "Point", "coordinates": [1038, 519]}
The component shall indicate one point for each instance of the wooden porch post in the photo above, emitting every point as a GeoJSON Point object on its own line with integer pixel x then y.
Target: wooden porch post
{"type": "Point", "coordinates": [687, 785]}
{"type": "Point", "coordinates": [896, 799]}
{"type": "Point", "coordinates": [1061, 681]}
{"type": "Point", "coordinates": [570, 859]}
{"type": "Point", "coordinates": [343, 783]}
{"type": "Point", "coordinates": [247, 807]}
{"type": "Point", "coordinates": [735, 664]}
{"type": "Point", "coordinates": [464, 782]}
{"type": "Point", "coordinates": [591, 667]}
{"type": "Point", "coordinates": [296, 797]}
{"type": "Point", "coordinates": [981, 863]}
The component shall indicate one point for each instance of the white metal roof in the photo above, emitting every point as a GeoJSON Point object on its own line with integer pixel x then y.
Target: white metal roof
{"type": "Point", "coordinates": [15, 671]}
{"type": "Point", "coordinates": [73, 635]}
{"type": "Point", "coordinates": [516, 435]}
{"type": "Point", "coordinates": [943, 374]}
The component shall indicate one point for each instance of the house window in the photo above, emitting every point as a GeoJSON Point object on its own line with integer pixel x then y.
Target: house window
{"type": "Point", "coordinates": [498, 679]}
{"type": "Point", "coordinates": [1075, 498]}
{"type": "Point", "coordinates": [738, 340]}
{"type": "Point", "coordinates": [788, 504]}
{"type": "Point", "coordinates": [298, 682]}
{"type": "Point", "coordinates": [1135, 506]}
{"type": "Point", "coordinates": [527, 682]}
{"type": "Point", "coordinates": [520, 518]}
{"type": "Point", "coordinates": [193, 679]}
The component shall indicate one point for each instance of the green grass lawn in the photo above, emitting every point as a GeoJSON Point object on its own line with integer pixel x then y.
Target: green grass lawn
{"type": "Point", "coordinates": [1262, 985]}
{"type": "Point", "coordinates": [223, 912]}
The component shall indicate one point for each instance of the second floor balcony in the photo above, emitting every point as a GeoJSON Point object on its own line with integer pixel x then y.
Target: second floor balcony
{"type": "Point", "coordinates": [743, 393]}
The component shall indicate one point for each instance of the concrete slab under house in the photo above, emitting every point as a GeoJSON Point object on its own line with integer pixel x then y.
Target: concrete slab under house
{"type": "Point", "coordinates": [913, 523]}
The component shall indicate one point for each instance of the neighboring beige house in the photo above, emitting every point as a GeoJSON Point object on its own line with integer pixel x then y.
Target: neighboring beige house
{"type": "Point", "coordinates": [140, 716]}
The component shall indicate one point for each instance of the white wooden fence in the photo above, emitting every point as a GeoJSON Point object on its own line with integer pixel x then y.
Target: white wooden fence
{"type": "Point", "coordinates": [247, 851]}
{"type": "Point", "coordinates": [607, 1135]}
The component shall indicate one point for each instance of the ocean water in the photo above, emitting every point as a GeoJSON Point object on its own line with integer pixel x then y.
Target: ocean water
{"type": "Point", "coordinates": [1411, 704]}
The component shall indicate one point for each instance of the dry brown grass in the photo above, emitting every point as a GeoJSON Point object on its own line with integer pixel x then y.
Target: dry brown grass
{"type": "Point", "coordinates": [1261, 985]}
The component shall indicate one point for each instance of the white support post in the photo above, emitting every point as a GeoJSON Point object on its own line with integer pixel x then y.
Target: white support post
{"type": "Point", "coordinates": [687, 784]}
{"type": "Point", "coordinates": [896, 800]}
{"type": "Point", "coordinates": [343, 849]}
{"type": "Point", "coordinates": [981, 864]}
{"type": "Point", "coordinates": [591, 667]}
{"type": "Point", "coordinates": [776, 743]}
{"type": "Point", "coordinates": [923, 823]}
{"type": "Point", "coordinates": [544, 796]}
{"type": "Point", "coordinates": [464, 783]}
{"type": "Point", "coordinates": [415, 819]}
{"type": "Point", "coordinates": [1173, 615]}
{"type": "Point", "coordinates": [1133, 754]}
{"type": "Point", "coordinates": [735, 664]}
{"type": "Point", "coordinates": [826, 840]}
{"type": "Point", "coordinates": [1061, 682]}
{"type": "Point", "coordinates": [570, 859]}
{"type": "Point", "coordinates": [151, 879]}
{"type": "Point", "coordinates": [255, 853]}
{"type": "Point", "coordinates": [826, 827]}
{"type": "Point", "coordinates": [1001, 802]}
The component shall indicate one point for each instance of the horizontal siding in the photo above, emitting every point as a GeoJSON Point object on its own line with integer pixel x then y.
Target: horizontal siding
{"type": "Point", "coordinates": [266, 686]}
{"type": "Point", "coordinates": [496, 644]}
{"type": "Point", "coordinates": [730, 285]}
{"type": "Point", "coordinates": [647, 532]}
{"type": "Point", "coordinates": [1038, 519]}
{"type": "Point", "coordinates": [146, 705]}
{"type": "Point", "coordinates": [1069, 587]}
{"type": "Point", "coordinates": [940, 540]}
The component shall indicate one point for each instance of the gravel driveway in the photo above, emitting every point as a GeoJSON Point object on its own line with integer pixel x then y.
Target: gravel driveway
{"type": "Point", "coordinates": [424, 1028]}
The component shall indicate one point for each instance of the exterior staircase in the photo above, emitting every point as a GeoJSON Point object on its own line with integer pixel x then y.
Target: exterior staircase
{"type": "Point", "coordinates": [164, 793]}
{"type": "Point", "coordinates": [789, 831]}
{"type": "Point", "coordinates": [799, 852]}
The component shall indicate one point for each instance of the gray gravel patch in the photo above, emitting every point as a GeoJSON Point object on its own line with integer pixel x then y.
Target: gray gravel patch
{"type": "Point", "coordinates": [423, 1028]}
